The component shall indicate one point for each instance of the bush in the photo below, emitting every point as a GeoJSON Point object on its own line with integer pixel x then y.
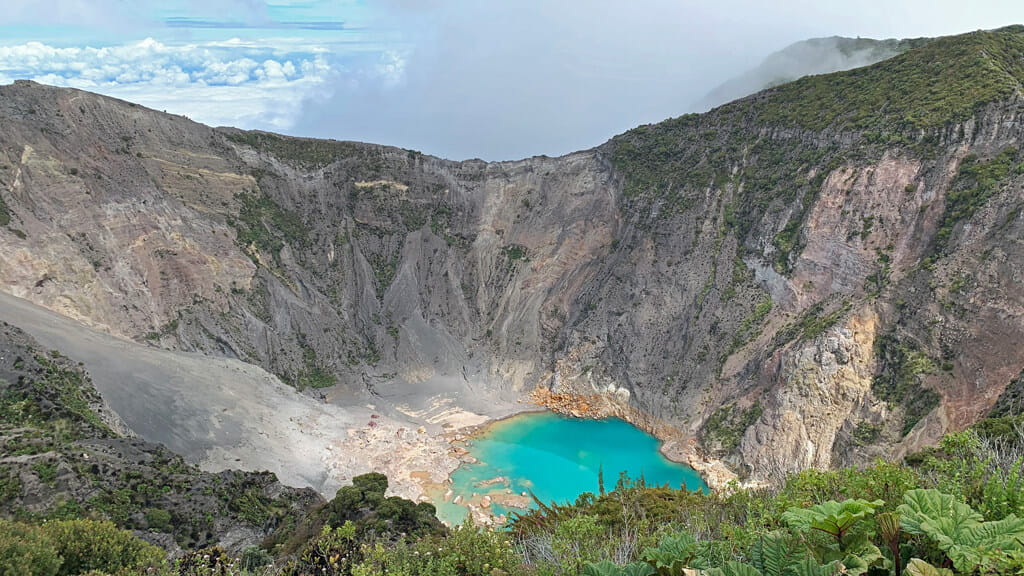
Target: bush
{"type": "Point", "coordinates": [159, 520]}
{"type": "Point", "coordinates": [88, 545]}
{"type": "Point", "coordinates": [26, 551]}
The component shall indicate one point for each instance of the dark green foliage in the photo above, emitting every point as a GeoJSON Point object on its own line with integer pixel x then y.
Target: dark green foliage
{"type": "Point", "coordinates": [976, 182]}
{"type": "Point", "coordinates": [1002, 428]}
{"type": "Point", "coordinates": [313, 375]}
{"type": "Point", "coordinates": [784, 243]}
{"type": "Point", "coordinates": [254, 558]}
{"type": "Point", "coordinates": [86, 471]}
{"type": "Point", "coordinates": [307, 152]}
{"type": "Point", "coordinates": [898, 382]}
{"type": "Point", "coordinates": [51, 403]}
{"type": "Point", "coordinates": [866, 433]}
{"type": "Point", "coordinates": [65, 548]}
{"type": "Point", "coordinates": [669, 164]}
{"type": "Point", "coordinates": [364, 508]}
{"type": "Point", "coordinates": [26, 551]}
{"type": "Point", "coordinates": [267, 226]}
{"type": "Point", "coordinates": [960, 532]}
{"type": "Point", "coordinates": [750, 327]}
{"type": "Point", "coordinates": [46, 471]}
{"type": "Point", "coordinates": [5, 213]}
{"type": "Point", "coordinates": [364, 504]}
{"type": "Point", "coordinates": [157, 519]}
{"type": "Point", "coordinates": [515, 252]}
{"type": "Point", "coordinates": [725, 428]}
{"type": "Point", "coordinates": [316, 377]}
{"type": "Point", "coordinates": [87, 545]}
{"type": "Point", "coordinates": [10, 485]}
{"type": "Point", "coordinates": [987, 473]}
{"type": "Point", "coordinates": [812, 323]}
{"type": "Point", "coordinates": [943, 81]}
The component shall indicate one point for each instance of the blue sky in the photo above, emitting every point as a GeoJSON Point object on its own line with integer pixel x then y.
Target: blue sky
{"type": "Point", "coordinates": [497, 79]}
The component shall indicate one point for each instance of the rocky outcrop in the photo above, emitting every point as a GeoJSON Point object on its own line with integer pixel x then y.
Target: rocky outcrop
{"type": "Point", "coordinates": [791, 290]}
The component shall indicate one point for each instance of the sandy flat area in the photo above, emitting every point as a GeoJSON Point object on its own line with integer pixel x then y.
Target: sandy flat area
{"type": "Point", "coordinates": [222, 414]}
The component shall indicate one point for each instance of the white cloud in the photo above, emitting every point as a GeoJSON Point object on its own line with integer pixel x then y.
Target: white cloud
{"type": "Point", "coordinates": [250, 85]}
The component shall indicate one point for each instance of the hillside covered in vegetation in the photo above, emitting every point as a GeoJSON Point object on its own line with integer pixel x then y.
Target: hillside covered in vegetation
{"type": "Point", "coordinates": [955, 509]}
{"type": "Point", "coordinates": [819, 285]}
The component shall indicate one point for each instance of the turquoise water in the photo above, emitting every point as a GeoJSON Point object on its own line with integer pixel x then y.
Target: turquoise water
{"type": "Point", "coordinates": [558, 459]}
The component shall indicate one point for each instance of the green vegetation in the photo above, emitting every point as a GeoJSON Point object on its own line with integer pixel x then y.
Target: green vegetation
{"type": "Point", "coordinates": [84, 471]}
{"type": "Point", "coordinates": [515, 252]}
{"type": "Point", "coordinates": [312, 374]}
{"type": "Point", "coordinates": [943, 81]}
{"type": "Point", "coordinates": [898, 382]}
{"type": "Point", "coordinates": [957, 508]}
{"type": "Point", "coordinates": [5, 213]}
{"type": "Point", "coordinates": [725, 428]}
{"type": "Point", "coordinates": [1011, 401]}
{"type": "Point", "coordinates": [71, 547]}
{"type": "Point", "coordinates": [866, 433]}
{"type": "Point", "coordinates": [750, 327]}
{"type": "Point", "coordinates": [812, 323]}
{"type": "Point", "coordinates": [975, 182]}
{"type": "Point", "coordinates": [748, 151]}
{"type": "Point", "coordinates": [264, 224]}
{"type": "Point", "coordinates": [306, 152]}
{"type": "Point", "coordinates": [165, 330]}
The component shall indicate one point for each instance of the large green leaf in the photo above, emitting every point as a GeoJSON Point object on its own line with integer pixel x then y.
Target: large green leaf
{"type": "Point", "coordinates": [918, 567]}
{"type": "Point", "coordinates": [958, 530]}
{"type": "Point", "coordinates": [638, 569]}
{"type": "Point", "coordinates": [810, 567]}
{"type": "Point", "coordinates": [606, 568]}
{"type": "Point", "coordinates": [602, 568]}
{"type": "Point", "coordinates": [1005, 533]}
{"type": "Point", "coordinates": [734, 569]}
{"type": "Point", "coordinates": [673, 553]}
{"type": "Point", "coordinates": [834, 518]}
{"type": "Point", "coordinates": [942, 512]}
{"type": "Point", "coordinates": [772, 554]}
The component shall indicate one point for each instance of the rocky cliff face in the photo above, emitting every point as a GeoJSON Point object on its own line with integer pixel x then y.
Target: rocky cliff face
{"type": "Point", "coordinates": [822, 273]}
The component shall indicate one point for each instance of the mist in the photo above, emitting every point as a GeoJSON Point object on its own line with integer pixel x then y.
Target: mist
{"type": "Point", "coordinates": [483, 80]}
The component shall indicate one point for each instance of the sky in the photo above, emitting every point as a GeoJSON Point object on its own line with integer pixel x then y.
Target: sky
{"type": "Point", "coordinates": [492, 79]}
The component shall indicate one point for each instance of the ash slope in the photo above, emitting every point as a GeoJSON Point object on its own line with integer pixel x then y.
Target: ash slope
{"type": "Point", "coordinates": [822, 273]}
{"type": "Point", "coordinates": [64, 452]}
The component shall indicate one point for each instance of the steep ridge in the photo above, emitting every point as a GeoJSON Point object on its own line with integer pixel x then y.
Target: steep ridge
{"type": "Point", "coordinates": [821, 273]}
{"type": "Point", "coordinates": [804, 58]}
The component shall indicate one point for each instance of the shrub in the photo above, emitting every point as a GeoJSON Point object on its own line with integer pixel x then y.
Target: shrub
{"type": "Point", "coordinates": [159, 520]}
{"type": "Point", "coordinates": [26, 551]}
{"type": "Point", "coordinates": [87, 545]}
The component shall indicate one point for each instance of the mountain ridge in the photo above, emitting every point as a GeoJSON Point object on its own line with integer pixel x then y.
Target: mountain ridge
{"type": "Point", "coordinates": [764, 277]}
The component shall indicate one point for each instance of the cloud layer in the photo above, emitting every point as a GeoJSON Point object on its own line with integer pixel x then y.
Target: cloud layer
{"type": "Point", "coordinates": [503, 80]}
{"type": "Point", "coordinates": [496, 79]}
{"type": "Point", "coordinates": [224, 83]}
